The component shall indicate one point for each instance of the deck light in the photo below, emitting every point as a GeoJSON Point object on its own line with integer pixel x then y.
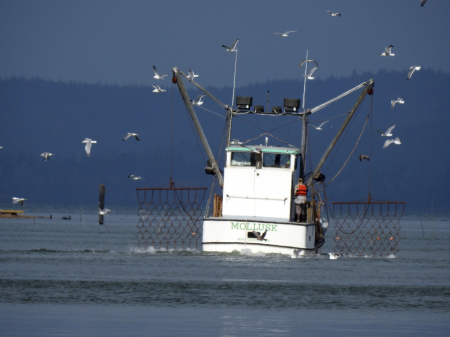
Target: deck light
{"type": "Point", "coordinates": [244, 103]}
{"type": "Point", "coordinates": [291, 104]}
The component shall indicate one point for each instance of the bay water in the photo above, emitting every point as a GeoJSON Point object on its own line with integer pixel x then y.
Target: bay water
{"type": "Point", "coordinates": [76, 278]}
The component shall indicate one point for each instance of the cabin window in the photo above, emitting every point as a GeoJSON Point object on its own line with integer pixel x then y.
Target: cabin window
{"type": "Point", "coordinates": [243, 158]}
{"type": "Point", "coordinates": [276, 160]}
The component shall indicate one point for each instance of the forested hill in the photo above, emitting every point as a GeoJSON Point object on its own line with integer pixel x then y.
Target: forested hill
{"type": "Point", "coordinates": [39, 115]}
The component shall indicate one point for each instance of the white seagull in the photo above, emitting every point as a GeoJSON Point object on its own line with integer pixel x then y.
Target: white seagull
{"type": "Point", "coordinates": [46, 155]}
{"type": "Point", "coordinates": [198, 100]}
{"type": "Point", "coordinates": [301, 63]}
{"type": "Point", "coordinates": [103, 211]}
{"type": "Point", "coordinates": [131, 134]}
{"type": "Point", "coordinates": [18, 200]}
{"type": "Point", "coordinates": [233, 46]}
{"type": "Point", "coordinates": [334, 14]}
{"type": "Point", "coordinates": [309, 76]}
{"type": "Point", "coordinates": [285, 34]}
{"type": "Point", "coordinates": [158, 76]}
{"type": "Point", "coordinates": [191, 75]}
{"type": "Point", "coordinates": [412, 70]}
{"type": "Point", "coordinates": [134, 177]}
{"type": "Point", "coordinates": [158, 88]}
{"type": "Point", "coordinates": [334, 256]}
{"type": "Point", "coordinates": [388, 132]}
{"type": "Point", "coordinates": [89, 143]}
{"type": "Point", "coordinates": [422, 2]}
{"type": "Point", "coordinates": [320, 126]}
{"type": "Point", "coordinates": [395, 101]}
{"type": "Point", "coordinates": [388, 51]}
{"type": "Point", "coordinates": [390, 141]}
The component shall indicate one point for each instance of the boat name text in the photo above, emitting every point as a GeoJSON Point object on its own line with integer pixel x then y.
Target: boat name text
{"type": "Point", "coordinates": [253, 226]}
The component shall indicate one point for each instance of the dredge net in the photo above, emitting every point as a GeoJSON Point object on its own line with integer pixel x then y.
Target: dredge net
{"type": "Point", "coordinates": [170, 218]}
{"type": "Point", "coordinates": [367, 228]}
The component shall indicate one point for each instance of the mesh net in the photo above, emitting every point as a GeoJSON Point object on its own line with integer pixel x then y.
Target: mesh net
{"type": "Point", "coordinates": [170, 218]}
{"type": "Point", "coordinates": [367, 228]}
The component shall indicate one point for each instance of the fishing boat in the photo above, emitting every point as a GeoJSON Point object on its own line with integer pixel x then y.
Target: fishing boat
{"type": "Point", "coordinates": [256, 210]}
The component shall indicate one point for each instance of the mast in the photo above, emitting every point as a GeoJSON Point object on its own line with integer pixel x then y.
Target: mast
{"type": "Point", "coordinates": [304, 126]}
{"type": "Point", "coordinates": [368, 86]}
{"type": "Point", "coordinates": [212, 160]}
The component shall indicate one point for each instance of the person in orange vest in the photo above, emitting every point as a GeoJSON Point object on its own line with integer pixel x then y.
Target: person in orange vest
{"type": "Point", "coordinates": [300, 191]}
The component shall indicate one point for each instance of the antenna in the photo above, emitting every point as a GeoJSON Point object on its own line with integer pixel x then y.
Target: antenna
{"type": "Point", "coordinates": [268, 94]}
{"type": "Point", "coordinates": [234, 80]}
{"type": "Point", "coordinates": [304, 84]}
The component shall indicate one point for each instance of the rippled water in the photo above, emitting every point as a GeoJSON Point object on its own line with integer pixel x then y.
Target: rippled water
{"type": "Point", "coordinates": [73, 277]}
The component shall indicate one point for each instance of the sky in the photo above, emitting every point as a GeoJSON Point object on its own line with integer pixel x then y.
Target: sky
{"type": "Point", "coordinates": [118, 42]}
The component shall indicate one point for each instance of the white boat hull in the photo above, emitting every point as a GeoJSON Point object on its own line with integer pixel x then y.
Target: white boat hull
{"type": "Point", "coordinates": [228, 235]}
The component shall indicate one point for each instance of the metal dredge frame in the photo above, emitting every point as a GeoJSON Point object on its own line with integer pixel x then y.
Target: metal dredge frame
{"type": "Point", "coordinates": [170, 218]}
{"type": "Point", "coordinates": [367, 228]}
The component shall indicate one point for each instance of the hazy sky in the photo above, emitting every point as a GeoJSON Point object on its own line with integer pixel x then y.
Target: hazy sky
{"type": "Point", "coordinates": [118, 42]}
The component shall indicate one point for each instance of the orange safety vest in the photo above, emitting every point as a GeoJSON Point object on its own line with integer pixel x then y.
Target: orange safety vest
{"type": "Point", "coordinates": [301, 190]}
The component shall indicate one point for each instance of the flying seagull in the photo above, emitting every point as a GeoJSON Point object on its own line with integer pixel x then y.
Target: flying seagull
{"type": "Point", "coordinates": [131, 134]}
{"type": "Point", "coordinates": [334, 256]}
{"type": "Point", "coordinates": [388, 132]}
{"type": "Point", "coordinates": [89, 143]}
{"type": "Point", "coordinates": [134, 177]}
{"type": "Point", "coordinates": [363, 156]}
{"type": "Point", "coordinates": [390, 141]}
{"type": "Point", "coordinates": [334, 14]}
{"type": "Point", "coordinates": [233, 46]}
{"type": "Point", "coordinates": [301, 63]}
{"type": "Point", "coordinates": [18, 200]}
{"type": "Point", "coordinates": [388, 51]}
{"type": "Point", "coordinates": [191, 75]}
{"type": "Point", "coordinates": [46, 155]}
{"type": "Point", "coordinates": [320, 126]}
{"type": "Point", "coordinates": [198, 100]}
{"type": "Point", "coordinates": [103, 211]}
{"type": "Point", "coordinates": [422, 2]}
{"type": "Point", "coordinates": [309, 77]}
{"type": "Point", "coordinates": [260, 237]}
{"type": "Point", "coordinates": [412, 70]}
{"type": "Point", "coordinates": [158, 76]}
{"type": "Point", "coordinates": [158, 88]}
{"type": "Point", "coordinates": [398, 100]}
{"type": "Point", "coordinates": [285, 34]}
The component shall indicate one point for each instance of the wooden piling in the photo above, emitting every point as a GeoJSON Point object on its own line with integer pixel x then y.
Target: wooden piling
{"type": "Point", "coordinates": [101, 203]}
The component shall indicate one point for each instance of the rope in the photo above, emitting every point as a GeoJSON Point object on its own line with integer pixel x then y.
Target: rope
{"type": "Point", "coordinates": [171, 134]}
{"type": "Point", "coordinates": [370, 151]}
{"type": "Point", "coordinates": [215, 113]}
{"type": "Point", "coordinates": [351, 153]}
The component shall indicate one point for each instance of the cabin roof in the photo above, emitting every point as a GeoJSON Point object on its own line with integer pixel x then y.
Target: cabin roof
{"type": "Point", "coordinates": [263, 149]}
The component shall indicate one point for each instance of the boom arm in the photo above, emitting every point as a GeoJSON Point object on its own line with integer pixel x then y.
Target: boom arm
{"type": "Point", "coordinates": [201, 134]}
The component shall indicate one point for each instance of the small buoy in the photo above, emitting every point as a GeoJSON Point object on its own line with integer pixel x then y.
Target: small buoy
{"type": "Point", "coordinates": [337, 238]}
{"type": "Point", "coordinates": [193, 233]}
{"type": "Point", "coordinates": [378, 238]}
{"type": "Point", "coordinates": [392, 238]}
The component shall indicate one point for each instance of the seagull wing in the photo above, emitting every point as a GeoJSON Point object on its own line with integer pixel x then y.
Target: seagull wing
{"type": "Point", "coordinates": [387, 143]}
{"type": "Point", "coordinates": [322, 124]}
{"type": "Point", "coordinates": [312, 70]}
{"type": "Point", "coordinates": [156, 73]}
{"type": "Point", "coordinates": [390, 129]}
{"type": "Point", "coordinates": [290, 31]}
{"type": "Point", "coordinates": [126, 137]}
{"type": "Point", "coordinates": [233, 45]}
{"type": "Point", "coordinates": [411, 71]}
{"type": "Point", "coordinates": [257, 235]}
